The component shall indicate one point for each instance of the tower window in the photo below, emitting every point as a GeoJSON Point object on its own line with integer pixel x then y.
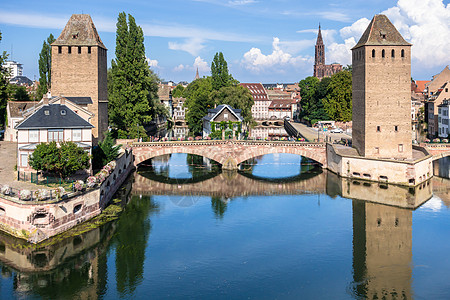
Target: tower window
{"type": "Point", "coordinates": [59, 49]}
{"type": "Point", "coordinates": [396, 128]}
{"type": "Point", "coordinates": [373, 53]}
{"type": "Point", "coordinates": [79, 50]}
{"type": "Point", "coordinates": [400, 147]}
{"type": "Point", "coordinates": [89, 49]}
{"type": "Point", "coordinates": [403, 53]}
{"type": "Point", "coordinates": [378, 128]}
{"type": "Point", "coordinates": [383, 53]}
{"type": "Point", "coordinates": [393, 53]}
{"type": "Point", "coordinates": [69, 49]}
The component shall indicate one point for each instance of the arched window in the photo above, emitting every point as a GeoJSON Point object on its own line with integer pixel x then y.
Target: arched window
{"type": "Point", "coordinates": [373, 52]}
{"type": "Point", "coordinates": [383, 53]}
{"type": "Point", "coordinates": [403, 53]}
{"type": "Point", "coordinates": [393, 53]}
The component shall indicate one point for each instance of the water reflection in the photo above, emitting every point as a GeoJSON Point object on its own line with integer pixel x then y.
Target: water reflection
{"type": "Point", "coordinates": [109, 262]}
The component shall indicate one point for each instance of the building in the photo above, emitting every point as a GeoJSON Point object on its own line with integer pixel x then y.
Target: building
{"type": "Point", "coordinates": [79, 65]}
{"type": "Point", "coordinates": [320, 68]}
{"type": "Point", "coordinates": [180, 128]}
{"type": "Point", "coordinates": [15, 68]}
{"type": "Point", "coordinates": [48, 123]}
{"type": "Point", "coordinates": [443, 119]}
{"type": "Point", "coordinates": [280, 109]}
{"type": "Point", "coordinates": [260, 108]}
{"type": "Point", "coordinates": [382, 107]}
{"type": "Point", "coordinates": [21, 81]}
{"type": "Point", "coordinates": [437, 81]}
{"type": "Point", "coordinates": [165, 96]}
{"type": "Point", "coordinates": [223, 113]}
{"type": "Point", "coordinates": [15, 111]}
{"type": "Point", "coordinates": [433, 101]}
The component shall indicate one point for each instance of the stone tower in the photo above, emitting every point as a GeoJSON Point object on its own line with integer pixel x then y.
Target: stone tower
{"type": "Point", "coordinates": [79, 67]}
{"type": "Point", "coordinates": [319, 60]}
{"type": "Point", "coordinates": [381, 92]}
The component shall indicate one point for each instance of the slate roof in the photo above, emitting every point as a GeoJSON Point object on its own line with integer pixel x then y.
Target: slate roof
{"type": "Point", "coordinates": [79, 100]}
{"type": "Point", "coordinates": [21, 80]}
{"type": "Point", "coordinates": [381, 32]}
{"type": "Point", "coordinates": [17, 108]}
{"type": "Point", "coordinates": [213, 112]}
{"type": "Point", "coordinates": [79, 31]}
{"type": "Point", "coordinates": [55, 118]}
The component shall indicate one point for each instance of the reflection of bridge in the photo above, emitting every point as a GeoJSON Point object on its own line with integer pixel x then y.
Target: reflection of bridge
{"type": "Point", "coordinates": [437, 150]}
{"type": "Point", "coordinates": [230, 185]}
{"type": "Point", "coordinates": [229, 153]}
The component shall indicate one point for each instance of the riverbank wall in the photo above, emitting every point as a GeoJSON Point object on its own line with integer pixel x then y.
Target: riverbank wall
{"type": "Point", "coordinates": [36, 221]}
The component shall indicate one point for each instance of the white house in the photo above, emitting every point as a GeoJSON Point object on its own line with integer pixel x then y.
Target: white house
{"type": "Point", "coordinates": [51, 122]}
{"type": "Point", "coordinates": [443, 119]}
{"type": "Point", "coordinates": [222, 113]}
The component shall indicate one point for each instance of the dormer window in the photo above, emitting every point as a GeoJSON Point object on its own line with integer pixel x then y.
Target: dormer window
{"type": "Point", "coordinates": [63, 112]}
{"type": "Point", "coordinates": [383, 34]}
{"type": "Point", "coordinates": [47, 112]}
{"type": "Point", "coordinates": [75, 36]}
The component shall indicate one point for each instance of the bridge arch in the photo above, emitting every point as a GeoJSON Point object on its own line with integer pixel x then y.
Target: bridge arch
{"type": "Point", "coordinates": [313, 154]}
{"type": "Point", "coordinates": [168, 150]}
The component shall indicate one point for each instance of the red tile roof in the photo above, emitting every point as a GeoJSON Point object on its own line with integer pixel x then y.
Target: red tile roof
{"type": "Point", "coordinates": [257, 90]}
{"type": "Point", "coordinates": [420, 85]}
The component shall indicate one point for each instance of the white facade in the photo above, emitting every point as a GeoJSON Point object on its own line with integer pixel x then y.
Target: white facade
{"type": "Point", "coordinates": [443, 119]}
{"type": "Point", "coordinates": [14, 67]}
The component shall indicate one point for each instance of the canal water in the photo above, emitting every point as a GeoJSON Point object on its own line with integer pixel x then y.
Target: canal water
{"type": "Point", "coordinates": [280, 228]}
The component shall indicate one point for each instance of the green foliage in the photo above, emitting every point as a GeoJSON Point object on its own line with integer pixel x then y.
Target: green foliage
{"type": "Point", "coordinates": [338, 103]}
{"type": "Point", "coordinates": [237, 97]}
{"type": "Point", "coordinates": [219, 72]}
{"type": "Point", "coordinates": [198, 101]}
{"type": "Point", "coordinates": [133, 99]}
{"type": "Point", "coordinates": [64, 160]}
{"type": "Point", "coordinates": [105, 152]}
{"type": "Point", "coordinates": [308, 87]}
{"type": "Point", "coordinates": [178, 91]}
{"type": "Point", "coordinates": [45, 67]}
{"type": "Point", "coordinates": [3, 87]}
{"type": "Point", "coordinates": [17, 93]}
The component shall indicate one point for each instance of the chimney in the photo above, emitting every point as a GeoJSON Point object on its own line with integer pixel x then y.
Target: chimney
{"type": "Point", "coordinates": [63, 101]}
{"type": "Point", "coordinates": [45, 100]}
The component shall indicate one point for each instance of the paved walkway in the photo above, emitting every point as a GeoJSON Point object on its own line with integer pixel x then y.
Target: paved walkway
{"type": "Point", "coordinates": [310, 134]}
{"type": "Point", "coordinates": [8, 176]}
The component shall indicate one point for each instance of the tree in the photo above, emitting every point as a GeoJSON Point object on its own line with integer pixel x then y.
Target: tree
{"type": "Point", "coordinates": [133, 99]}
{"type": "Point", "coordinates": [198, 101]}
{"type": "Point", "coordinates": [219, 72]}
{"type": "Point", "coordinates": [338, 103]}
{"type": "Point", "coordinates": [105, 152]}
{"type": "Point", "coordinates": [237, 97]}
{"type": "Point", "coordinates": [45, 67]}
{"type": "Point", "coordinates": [178, 91]}
{"type": "Point", "coordinates": [308, 88]}
{"type": "Point", "coordinates": [64, 160]}
{"type": "Point", "coordinates": [17, 93]}
{"type": "Point", "coordinates": [3, 86]}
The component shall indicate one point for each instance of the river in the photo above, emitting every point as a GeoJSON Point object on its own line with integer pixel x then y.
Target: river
{"type": "Point", "coordinates": [281, 228]}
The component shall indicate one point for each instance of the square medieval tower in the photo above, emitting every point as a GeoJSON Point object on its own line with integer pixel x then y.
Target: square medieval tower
{"type": "Point", "coordinates": [79, 67]}
{"type": "Point", "coordinates": [381, 92]}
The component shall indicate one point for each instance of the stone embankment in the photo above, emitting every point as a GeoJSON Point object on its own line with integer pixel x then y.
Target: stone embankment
{"type": "Point", "coordinates": [38, 220]}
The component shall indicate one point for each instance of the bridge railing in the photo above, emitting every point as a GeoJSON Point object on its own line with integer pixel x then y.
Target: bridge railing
{"type": "Point", "coordinates": [221, 142]}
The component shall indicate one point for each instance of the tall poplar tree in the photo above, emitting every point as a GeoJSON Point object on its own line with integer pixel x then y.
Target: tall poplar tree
{"type": "Point", "coordinates": [133, 95]}
{"type": "Point", "coordinates": [219, 72]}
{"type": "Point", "coordinates": [45, 67]}
{"type": "Point", "coordinates": [3, 86]}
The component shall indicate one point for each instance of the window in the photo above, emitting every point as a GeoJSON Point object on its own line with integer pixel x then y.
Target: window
{"type": "Point", "coordinates": [378, 128]}
{"type": "Point", "coordinates": [396, 128]}
{"type": "Point", "coordinates": [69, 49]}
{"type": "Point", "coordinates": [383, 53]}
{"type": "Point", "coordinates": [24, 160]}
{"type": "Point", "coordinates": [446, 90]}
{"type": "Point", "coordinates": [55, 135]}
{"type": "Point", "coordinates": [403, 53]}
{"type": "Point", "coordinates": [393, 53]}
{"type": "Point", "coordinates": [59, 49]}
{"type": "Point", "coordinates": [33, 136]}
{"type": "Point", "coordinates": [76, 135]}
{"type": "Point", "coordinates": [89, 49]}
{"type": "Point", "coordinates": [225, 116]}
{"type": "Point", "coordinates": [400, 147]}
{"type": "Point", "coordinates": [79, 50]}
{"type": "Point", "coordinates": [373, 53]}
{"type": "Point", "coordinates": [377, 150]}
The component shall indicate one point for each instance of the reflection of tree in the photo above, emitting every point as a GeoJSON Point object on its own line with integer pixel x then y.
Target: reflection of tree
{"type": "Point", "coordinates": [199, 165]}
{"type": "Point", "coordinates": [131, 240]}
{"type": "Point", "coordinates": [219, 206]}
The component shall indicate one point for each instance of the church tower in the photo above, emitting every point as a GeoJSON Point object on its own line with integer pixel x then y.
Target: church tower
{"type": "Point", "coordinates": [381, 92]}
{"type": "Point", "coordinates": [79, 66]}
{"type": "Point", "coordinates": [319, 61]}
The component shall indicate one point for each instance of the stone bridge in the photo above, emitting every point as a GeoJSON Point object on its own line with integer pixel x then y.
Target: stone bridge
{"type": "Point", "coordinates": [229, 153]}
{"type": "Point", "coordinates": [437, 150]}
{"type": "Point", "coordinates": [231, 185]}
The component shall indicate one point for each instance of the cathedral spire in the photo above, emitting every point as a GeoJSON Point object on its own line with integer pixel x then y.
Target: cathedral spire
{"type": "Point", "coordinates": [196, 75]}
{"type": "Point", "coordinates": [319, 37]}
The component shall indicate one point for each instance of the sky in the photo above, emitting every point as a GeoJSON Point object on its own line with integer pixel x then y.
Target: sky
{"type": "Point", "coordinates": [262, 41]}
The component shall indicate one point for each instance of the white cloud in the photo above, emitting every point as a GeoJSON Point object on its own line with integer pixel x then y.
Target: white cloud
{"type": "Point", "coordinates": [254, 60]}
{"type": "Point", "coordinates": [180, 68]}
{"type": "Point", "coordinates": [242, 2]}
{"type": "Point", "coordinates": [424, 23]}
{"type": "Point", "coordinates": [192, 46]}
{"type": "Point", "coordinates": [201, 64]}
{"type": "Point", "coordinates": [153, 63]}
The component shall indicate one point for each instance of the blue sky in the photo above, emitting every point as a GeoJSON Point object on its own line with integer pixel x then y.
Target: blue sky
{"type": "Point", "coordinates": [263, 41]}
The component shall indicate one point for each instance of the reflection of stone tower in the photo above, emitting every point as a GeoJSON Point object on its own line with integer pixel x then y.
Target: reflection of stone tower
{"type": "Point", "coordinates": [79, 69]}
{"type": "Point", "coordinates": [382, 250]}
{"type": "Point", "coordinates": [382, 92]}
